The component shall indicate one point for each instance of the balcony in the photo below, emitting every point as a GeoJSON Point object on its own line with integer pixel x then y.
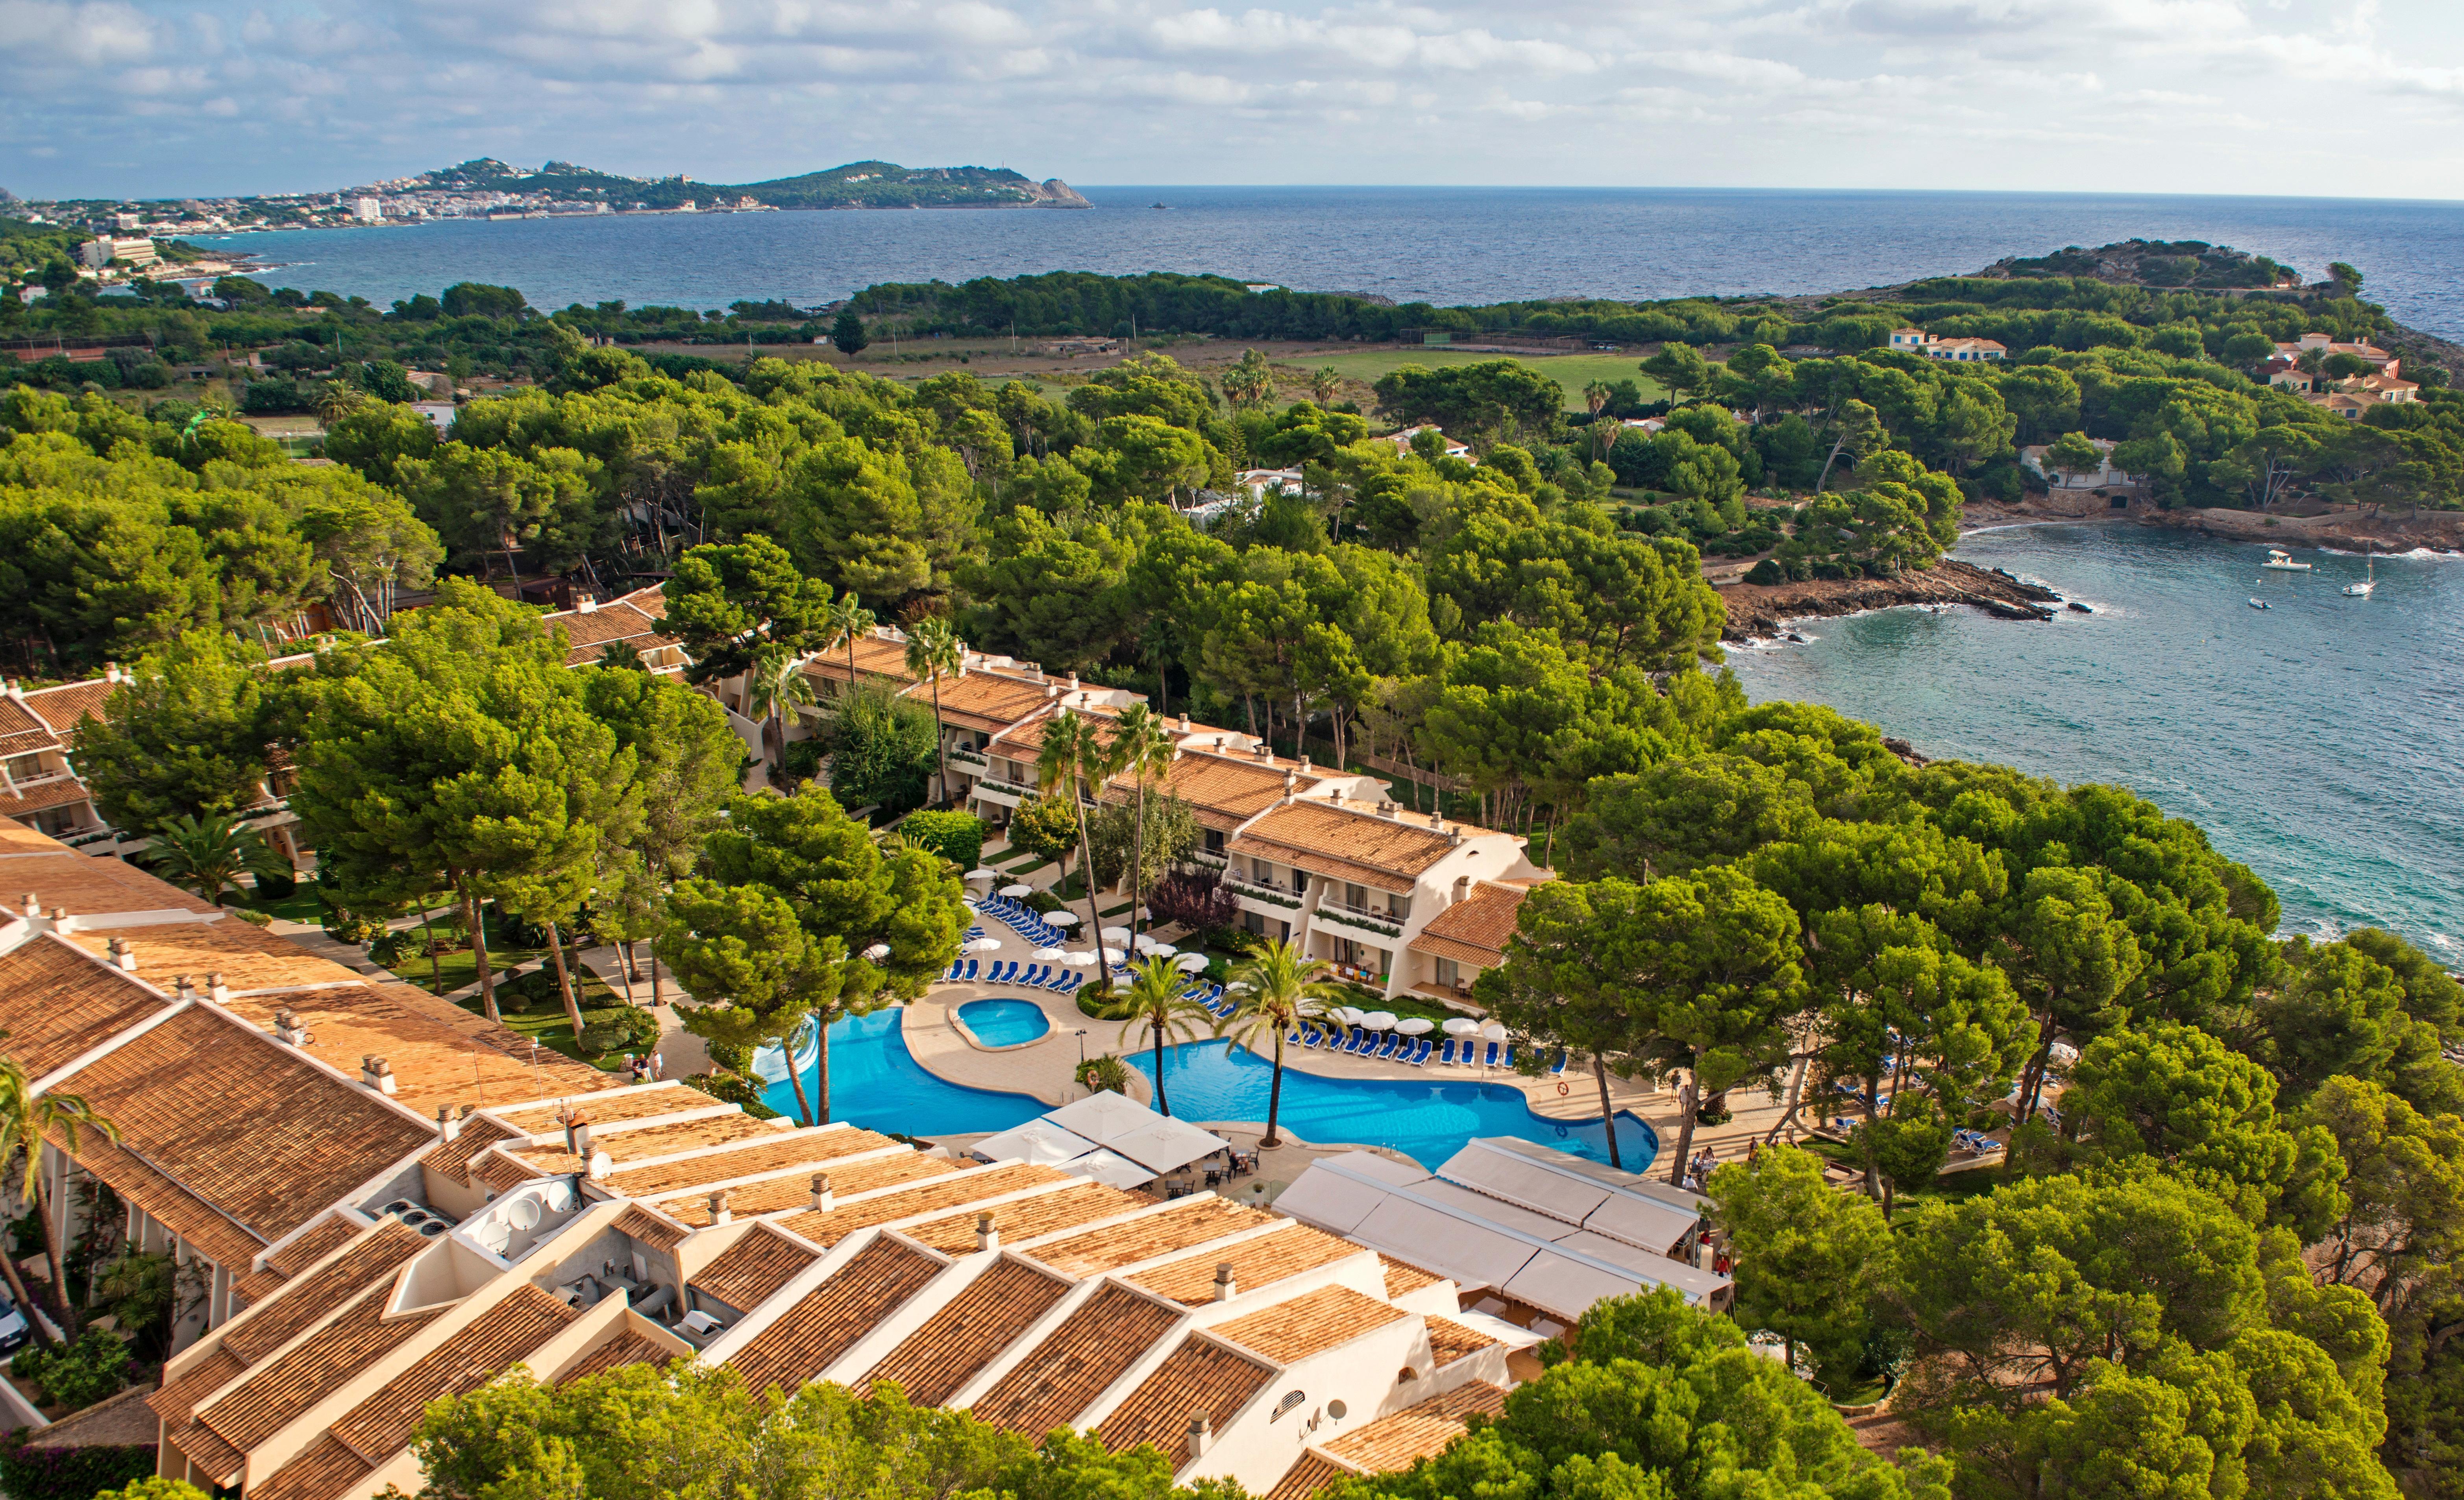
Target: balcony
{"type": "Point", "coordinates": [1264, 892]}
{"type": "Point", "coordinates": [971, 761]}
{"type": "Point", "coordinates": [1381, 924]}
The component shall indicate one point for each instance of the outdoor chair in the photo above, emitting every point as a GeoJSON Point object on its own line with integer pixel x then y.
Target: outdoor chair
{"type": "Point", "coordinates": [1488, 1058]}
{"type": "Point", "coordinates": [1446, 1054]}
{"type": "Point", "coordinates": [1420, 1054]}
{"type": "Point", "coordinates": [1559, 1066]}
{"type": "Point", "coordinates": [1508, 1060]}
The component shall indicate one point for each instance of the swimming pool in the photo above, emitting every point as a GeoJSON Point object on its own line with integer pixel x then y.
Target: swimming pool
{"type": "Point", "coordinates": [1427, 1120]}
{"type": "Point", "coordinates": [1004, 1023]}
{"type": "Point", "coordinates": [875, 1082]}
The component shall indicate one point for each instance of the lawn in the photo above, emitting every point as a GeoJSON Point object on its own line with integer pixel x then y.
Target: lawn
{"type": "Point", "coordinates": [1571, 371]}
{"type": "Point", "coordinates": [459, 969]}
{"type": "Point", "coordinates": [548, 1027]}
{"type": "Point", "coordinates": [301, 905]}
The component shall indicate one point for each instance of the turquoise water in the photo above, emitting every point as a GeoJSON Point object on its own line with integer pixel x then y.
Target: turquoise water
{"type": "Point", "coordinates": [1427, 1120]}
{"type": "Point", "coordinates": [875, 1082]}
{"type": "Point", "coordinates": [2315, 740]}
{"type": "Point", "coordinates": [1004, 1023]}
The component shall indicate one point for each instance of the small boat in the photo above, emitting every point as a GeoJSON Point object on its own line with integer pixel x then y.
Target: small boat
{"type": "Point", "coordinates": [2361, 590]}
{"type": "Point", "coordinates": [2077, 608]}
{"type": "Point", "coordinates": [1157, 205]}
{"type": "Point", "coordinates": [2282, 562]}
{"type": "Point", "coordinates": [2258, 604]}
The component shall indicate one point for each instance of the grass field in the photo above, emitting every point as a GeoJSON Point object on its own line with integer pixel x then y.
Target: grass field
{"type": "Point", "coordinates": [1571, 371]}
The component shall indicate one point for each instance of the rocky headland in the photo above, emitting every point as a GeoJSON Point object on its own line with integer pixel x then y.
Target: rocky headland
{"type": "Point", "coordinates": [1760, 610]}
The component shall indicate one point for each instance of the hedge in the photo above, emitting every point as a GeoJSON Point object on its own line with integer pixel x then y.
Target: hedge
{"type": "Point", "coordinates": [31, 1471]}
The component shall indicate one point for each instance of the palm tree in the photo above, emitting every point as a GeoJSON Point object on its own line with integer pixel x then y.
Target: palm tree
{"type": "Point", "coordinates": [1286, 995]}
{"type": "Point", "coordinates": [935, 650]}
{"type": "Point", "coordinates": [847, 621]}
{"type": "Point", "coordinates": [1157, 998]}
{"type": "Point", "coordinates": [1597, 396]}
{"type": "Point", "coordinates": [26, 1121]}
{"type": "Point", "coordinates": [338, 400]}
{"type": "Point", "coordinates": [1074, 752]}
{"type": "Point", "coordinates": [1325, 384]}
{"type": "Point", "coordinates": [1141, 747]}
{"type": "Point", "coordinates": [776, 685]}
{"type": "Point", "coordinates": [210, 854]}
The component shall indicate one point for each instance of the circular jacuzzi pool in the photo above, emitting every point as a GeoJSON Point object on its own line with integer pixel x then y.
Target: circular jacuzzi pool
{"type": "Point", "coordinates": [1004, 1023]}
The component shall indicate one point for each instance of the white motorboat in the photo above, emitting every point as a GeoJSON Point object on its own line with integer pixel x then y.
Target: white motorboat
{"type": "Point", "coordinates": [2257, 603]}
{"type": "Point", "coordinates": [2282, 562]}
{"type": "Point", "coordinates": [2361, 590]}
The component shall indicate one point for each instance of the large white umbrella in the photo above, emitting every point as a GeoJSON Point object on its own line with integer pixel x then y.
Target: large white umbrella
{"type": "Point", "coordinates": [1047, 955]}
{"type": "Point", "coordinates": [1161, 949]}
{"type": "Point", "coordinates": [984, 946]}
{"type": "Point", "coordinates": [1144, 943]}
{"type": "Point", "coordinates": [1379, 1020]}
{"type": "Point", "coordinates": [1114, 934]}
{"type": "Point", "coordinates": [1061, 918]}
{"type": "Point", "coordinates": [877, 952]}
{"type": "Point", "coordinates": [1019, 892]}
{"type": "Point", "coordinates": [984, 872]}
{"type": "Point", "coordinates": [1416, 1025]}
{"type": "Point", "coordinates": [1349, 1016]}
{"type": "Point", "coordinates": [1191, 963]}
{"type": "Point", "coordinates": [1079, 960]}
{"type": "Point", "coordinates": [1495, 1031]}
{"type": "Point", "coordinates": [1461, 1026]}
{"type": "Point", "coordinates": [1238, 983]}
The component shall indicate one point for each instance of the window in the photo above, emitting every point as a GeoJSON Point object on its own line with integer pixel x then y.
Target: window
{"type": "Point", "coordinates": [1449, 972]}
{"type": "Point", "coordinates": [1214, 840]}
{"type": "Point", "coordinates": [25, 768]}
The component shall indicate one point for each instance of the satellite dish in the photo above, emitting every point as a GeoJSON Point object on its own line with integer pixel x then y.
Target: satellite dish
{"type": "Point", "coordinates": [524, 1214]}
{"type": "Point", "coordinates": [1336, 1409]}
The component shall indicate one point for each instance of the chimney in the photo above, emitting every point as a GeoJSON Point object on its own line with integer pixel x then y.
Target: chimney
{"type": "Point", "coordinates": [122, 955]}
{"type": "Point", "coordinates": [1385, 810]}
{"type": "Point", "coordinates": [446, 1124]}
{"type": "Point", "coordinates": [1291, 782]}
{"type": "Point", "coordinates": [377, 1073]}
{"type": "Point", "coordinates": [1454, 837]}
{"type": "Point", "coordinates": [718, 1214]}
{"type": "Point", "coordinates": [987, 1236]}
{"type": "Point", "coordinates": [16, 690]}
{"type": "Point", "coordinates": [216, 991]}
{"type": "Point", "coordinates": [1438, 821]}
{"type": "Point", "coordinates": [822, 1198]}
{"type": "Point", "coordinates": [286, 1029]}
{"type": "Point", "coordinates": [1226, 1286]}
{"type": "Point", "coordinates": [62, 921]}
{"type": "Point", "coordinates": [1051, 690]}
{"type": "Point", "coordinates": [579, 1135]}
{"type": "Point", "coordinates": [111, 671]}
{"type": "Point", "coordinates": [585, 604]}
{"type": "Point", "coordinates": [1073, 682]}
{"type": "Point", "coordinates": [1305, 765]}
{"type": "Point", "coordinates": [1184, 724]}
{"type": "Point", "coordinates": [32, 905]}
{"type": "Point", "coordinates": [1201, 1434]}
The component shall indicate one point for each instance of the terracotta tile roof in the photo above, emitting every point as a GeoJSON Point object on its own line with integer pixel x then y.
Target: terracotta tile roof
{"type": "Point", "coordinates": [247, 956]}
{"type": "Point", "coordinates": [627, 1348]}
{"type": "Point", "coordinates": [176, 1402]}
{"type": "Point", "coordinates": [981, 700]}
{"type": "Point", "coordinates": [1197, 1376]}
{"type": "Point", "coordinates": [957, 1344]}
{"type": "Point", "coordinates": [322, 1470]}
{"type": "Point", "coordinates": [60, 792]}
{"type": "Point", "coordinates": [1417, 1432]}
{"type": "Point", "coordinates": [1025, 1218]}
{"type": "Point", "coordinates": [328, 1236]}
{"type": "Point", "coordinates": [88, 886]}
{"type": "Point", "coordinates": [285, 1387]}
{"type": "Point", "coordinates": [876, 659]}
{"type": "Point", "coordinates": [651, 1229]}
{"type": "Point", "coordinates": [16, 839]}
{"type": "Point", "coordinates": [538, 1117]}
{"type": "Point", "coordinates": [1310, 1323]}
{"type": "Point", "coordinates": [238, 1119]}
{"type": "Point", "coordinates": [501, 1173]}
{"type": "Point", "coordinates": [1388, 853]}
{"type": "Point", "coordinates": [61, 708]}
{"type": "Point", "coordinates": [22, 730]}
{"type": "Point", "coordinates": [56, 1004]}
{"type": "Point", "coordinates": [1306, 1478]}
{"type": "Point", "coordinates": [1078, 1361]}
{"type": "Point", "coordinates": [774, 1150]}
{"type": "Point", "coordinates": [307, 1301]}
{"type": "Point", "coordinates": [1222, 792]}
{"type": "Point", "coordinates": [257, 1286]}
{"type": "Point", "coordinates": [1450, 1341]}
{"type": "Point", "coordinates": [927, 1197]}
{"type": "Point", "coordinates": [750, 1272]}
{"type": "Point", "coordinates": [452, 1157]}
{"type": "Point", "coordinates": [213, 1456]}
{"type": "Point", "coordinates": [826, 1322]}
{"type": "Point", "coordinates": [201, 1225]}
{"type": "Point", "coordinates": [587, 635]}
{"type": "Point", "coordinates": [1402, 1276]}
{"type": "Point", "coordinates": [1176, 1229]}
{"type": "Point", "coordinates": [647, 1142]}
{"type": "Point", "coordinates": [794, 1188]}
{"type": "Point", "coordinates": [1476, 930]}
{"type": "Point", "coordinates": [441, 1054]}
{"type": "Point", "coordinates": [383, 1424]}
{"type": "Point", "coordinates": [1256, 1263]}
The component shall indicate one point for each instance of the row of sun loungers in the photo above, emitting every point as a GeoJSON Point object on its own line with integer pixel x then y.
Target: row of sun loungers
{"type": "Point", "coordinates": [1025, 921]}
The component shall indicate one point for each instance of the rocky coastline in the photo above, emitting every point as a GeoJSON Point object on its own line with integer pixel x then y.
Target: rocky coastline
{"type": "Point", "coordinates": [1760, 610]}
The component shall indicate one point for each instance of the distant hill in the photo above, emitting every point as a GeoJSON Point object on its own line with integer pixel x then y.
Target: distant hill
{"type": "Point", "coordinates": [2155, 262]}
{"type": "Point", "coordinates": [858, 184]}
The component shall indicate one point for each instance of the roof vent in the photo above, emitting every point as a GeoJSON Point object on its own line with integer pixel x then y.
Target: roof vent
{"type": "Point", "coordinates": [446, 1124]}
{"type": "Point", "coordinates": [32, 905]}
{"type": "Point", "coordinates": [1385, 810]}
{"type": "Point", "coordinates": [1305, 765]}
{"type": "Point", "coordinates": [1184, 724]}
{"type": "Point", "coordinates": [1073, 682]}
{"type": "Point", "coordinates": [111, 671]}
{"type": "Point", "coordinates": [286, 1029]}
{"type": "Point", "coordinates": [987, 1233]}
{"type": "Point", "coordinates": [1201, 1434]}
{"type": "Point", "coordinates": [1438, 821]}
{"type": "Point", "coordinates": [823, 1199]}
{"type": "Point", "coordinates": [1226, 1284]}
{"type": "Point", "coordinates": [377, 1073]}
{"type": "Point", "coordinates": [122, 955]}
{"type": "Point", "coordinates": [718, 1214]}
{"type": "Point", "coordinates": [585, 604]}
{"type": "Point", "coordinates": [216, 991]}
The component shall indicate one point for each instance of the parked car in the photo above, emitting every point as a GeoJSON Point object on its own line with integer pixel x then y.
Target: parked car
{"type": "Point", "coordinates": [15, 1330]}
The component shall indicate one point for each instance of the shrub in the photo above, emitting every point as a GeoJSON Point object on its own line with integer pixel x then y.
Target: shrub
{"type": "Point", "coordinates": [730, 1089]}
{"type": "Point", "coordinates": [1194, 898]}
{"type": "Point", "coordinates": [28, 1471]}
{"type": "Point", "coordinates": [1108, 1072]}
{"type": "Point", "coordinates": [955, 837]}
{"type": "Point", "coordinates": [77, 1375]}
{"type": "Point", "coordinates": [628, 1029]}
{"type": "Point", "coordinates": [1766, 571]}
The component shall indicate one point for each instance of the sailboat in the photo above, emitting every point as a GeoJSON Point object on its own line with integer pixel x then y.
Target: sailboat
{"type": "Point", "coordinates": [2282, 562]}
{"type": "Point", "coordinates": [2361, 590]}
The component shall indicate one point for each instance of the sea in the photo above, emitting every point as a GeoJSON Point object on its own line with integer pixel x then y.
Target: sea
{"type": "Point", "coordinates": [2317, 741]}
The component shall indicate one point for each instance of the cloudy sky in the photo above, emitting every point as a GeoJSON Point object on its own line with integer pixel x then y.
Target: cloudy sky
{"type": "Point", "coordinates": [2342, 98]}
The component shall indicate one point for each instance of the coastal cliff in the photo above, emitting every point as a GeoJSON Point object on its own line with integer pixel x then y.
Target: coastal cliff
{"type": "Point", "coordinates": [2369, 529]}
{"type": "Point", "coordinates": [1756, 610]}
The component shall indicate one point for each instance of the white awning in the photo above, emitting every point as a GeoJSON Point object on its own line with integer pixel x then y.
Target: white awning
{"type": "Point", "coordinates": [1039, 1140]}
{"type": "Point", "coordinates": [1111, 1167]}
{"type": "Point", "coordinates": [1621, 1206]}
{"type": "Point", "coordinates": [1102, 1116]}
{"type": "Point", "coordinates": [1164, 1144]}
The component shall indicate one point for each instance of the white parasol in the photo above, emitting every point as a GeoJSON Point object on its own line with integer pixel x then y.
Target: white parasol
{"type": "Point", "coordinates": [1495, 1031]}
{"type": "Point", "coordinates": [1191, 963]}
{"type": "Point", "coordinates": [1161, 950]}
{"type": "Point", "coordinates": [1461, 1026]}
{"type": "Point", "coordinates": [1018, 892]}
{"type": "Point", "coordinates": [1061, 918]}
{"type": "Point", "coordinates": [1416, 1025]}
{"type": "Point", "coordinates": [1114, 934]}
{"type": "Point", "coordinates": [1078, 960]}
{"type": "Point", "coordinates": [984, 946]}
{"type": "Point", "coordinates": [1379, 1020]}
{"type": "Point", "coordinates": [1047, 955]}
{"type": "Point", "coordinates": [984, 872]}
{"type": "Point", "coordinates": [877, 952]}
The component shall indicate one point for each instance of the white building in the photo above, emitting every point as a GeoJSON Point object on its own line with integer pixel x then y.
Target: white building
{"type": "Point", "coordinates": [368, 211]}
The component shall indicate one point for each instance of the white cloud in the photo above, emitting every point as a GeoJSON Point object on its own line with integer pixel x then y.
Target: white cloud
{"type": "Point", "coordinates": [103, 96]}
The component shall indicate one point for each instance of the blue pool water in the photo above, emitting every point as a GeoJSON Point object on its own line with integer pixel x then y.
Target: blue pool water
{"type": "Point", "coordinates": [875, 1082]}
{"type": "Point", "coordinates": [1427, 1120]}
{"type": "Point", "coordinates": [1004, 1023]}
